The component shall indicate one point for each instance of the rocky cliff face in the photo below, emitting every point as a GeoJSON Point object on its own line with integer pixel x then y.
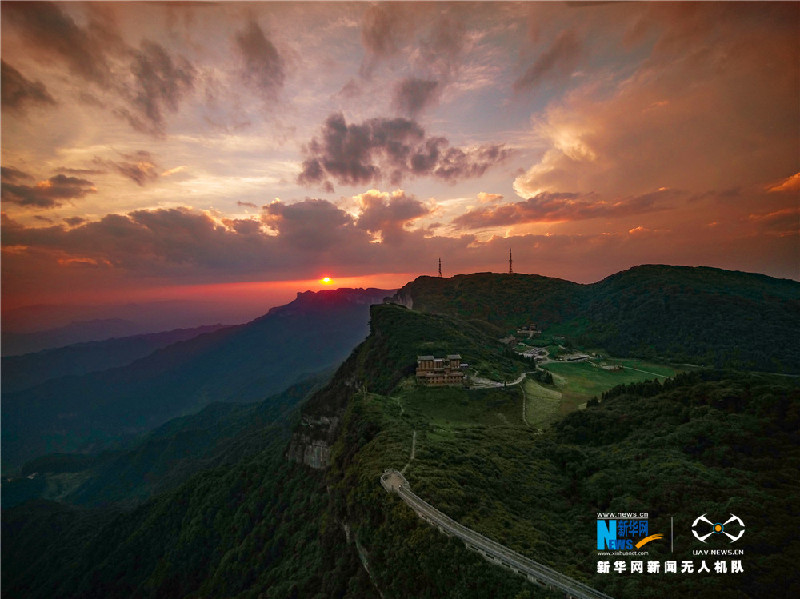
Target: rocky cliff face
{"type": "Point", "coordinates": [312, 440]}
{"type": "Point", "coordinates": [327, 299]}
{"type": "Point", "coordinates": [403, 297]}
{"type": "Point", "coordinates": [319, 423]}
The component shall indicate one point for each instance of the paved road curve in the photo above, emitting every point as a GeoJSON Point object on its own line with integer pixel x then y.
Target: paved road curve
{"type": "Point", "coordinates": [393, 481]}
{"type": "Point", "coordinates": [476, 382]}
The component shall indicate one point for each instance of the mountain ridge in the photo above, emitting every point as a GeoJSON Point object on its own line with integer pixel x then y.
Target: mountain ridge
{"type": "Point", "coordinates": [28, 370]}
{"type": "Point", "coordinates": [701, 315]}
{"type": "Point", "coordinates": [242, 363]}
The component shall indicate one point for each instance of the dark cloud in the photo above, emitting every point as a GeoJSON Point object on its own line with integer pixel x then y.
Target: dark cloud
{"type": "Point", "coordinates": [181, 237]}
{"type": "Point", "coordinates": [140, 167]}
{"type": "Point", "coordinates": [558, 60]}
{"type": "Point", "coordinates": [248, 204]}
{"type": "Point", "coordinates": [18, 92]}
{"type": "Point", "coordinates": [313, 172]}
{"type": "Point", "coordinates": [53, 33]}
{"type": "Point", "coordinates": [184, 244]}
{"type": "Point", "coordinates": [91, 100]}
{"type": "Point", "coordinates": [11, 175]}
{"type": "Point", "coordinates": [429, 38]}
{"type": "Point", "coordinates": [442, 46]}
{"type": "Point", "coordinates": [555, 207]}
{"type": "Point", "coordinates": [140, 241]}
{"type": "Point", "coordinates": [455, 163]}
{"type": "Point", "coordinates": [380, 32]}
{"type": "Point", "coordinates": [310, 225]}
{"type": "Point", "coordinates": [349, 90]}
{"type": "Point", "coordinates": [432, 37]}
{"type": "Point", "coordinates": [188, 243]}
{"type": "Point", "coordinates": [74, 221]}
{"type": "Point", "coordinates": [388, 213]}
{"type": "Point", "coordinates": [48, 193]}
{"type": "Point", "coordinates": [246, 227]}
{"type": "Point", "coordinates": [784, 222]}
{"type": "Point", "coordinates": [389, 148]}
{"type": "Point", "coordinates": [149, 243]}
{"type": "Point", "coordinates": [412, 95]}
{"type": "Point", "coordinates": [97, 54]}
{"type": "Point", "coordinates": [160, 83]}
{"type": "Point", "coordinates": [43, 218]}
{"type": "Point", "coordinates": [263, 66]}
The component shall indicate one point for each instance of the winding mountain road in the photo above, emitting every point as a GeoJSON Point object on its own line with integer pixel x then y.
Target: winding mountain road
{"type": "Point", "coordinates": [394, 481]}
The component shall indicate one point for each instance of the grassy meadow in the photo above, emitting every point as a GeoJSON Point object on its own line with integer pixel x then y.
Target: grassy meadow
{"type": "Point", "coordinates": [578, 382]}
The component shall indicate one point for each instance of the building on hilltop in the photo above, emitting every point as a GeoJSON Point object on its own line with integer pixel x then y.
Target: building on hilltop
{"type": "Point", "coordinates": [529, 329]}
{"type": "Point", "coordinates": [434, 372]}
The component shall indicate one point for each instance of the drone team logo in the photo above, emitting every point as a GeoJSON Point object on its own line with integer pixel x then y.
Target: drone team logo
{"type": "Point", "coordinates": [707, 528]}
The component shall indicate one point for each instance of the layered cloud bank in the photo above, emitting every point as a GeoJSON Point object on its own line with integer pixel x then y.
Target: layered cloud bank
{"type": "Point", "coordinates": [149, 144]}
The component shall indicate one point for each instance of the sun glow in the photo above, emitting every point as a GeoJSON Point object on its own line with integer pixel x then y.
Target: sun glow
{"type": "Point", "coordinates": [326, 281]}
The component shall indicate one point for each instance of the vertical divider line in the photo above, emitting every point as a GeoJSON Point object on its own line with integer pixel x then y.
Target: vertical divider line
{"type": "Point", "coordinates": [671, 548]}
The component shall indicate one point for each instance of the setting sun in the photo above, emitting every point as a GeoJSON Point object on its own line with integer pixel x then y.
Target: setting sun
{"type": "Point", "coordinates": [326, 281]}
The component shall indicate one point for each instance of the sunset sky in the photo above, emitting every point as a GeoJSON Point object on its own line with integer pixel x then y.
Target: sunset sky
{"type": "Point", "coordinates": [176, 150]}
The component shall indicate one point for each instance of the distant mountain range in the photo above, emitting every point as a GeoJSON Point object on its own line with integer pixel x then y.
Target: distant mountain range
{"type": "Point", "coordinates": [29, 370]}
{"type": "Point", "coordinates": [82, 331]}
{"type": "Point", "coordinates": [243, 363]}
{"type": "Point", "coordinates": [38, 327]}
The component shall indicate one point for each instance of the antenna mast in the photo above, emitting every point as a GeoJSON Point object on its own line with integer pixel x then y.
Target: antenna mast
{"type": "Point", "coordinates": [510, 263]}
{"type": "Point", "coordinates": [440, 268]}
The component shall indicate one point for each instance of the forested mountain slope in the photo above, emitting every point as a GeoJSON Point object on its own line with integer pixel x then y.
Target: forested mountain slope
{"type": "Point", "coordinates": [698, 315]}
{"type": "Point", "coordinates": [220, 434]}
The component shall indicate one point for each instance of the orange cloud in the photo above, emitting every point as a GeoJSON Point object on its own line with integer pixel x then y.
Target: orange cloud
{"type": "Point", "coordinates": [561, 207]}
{"type": "Point", "coordinates": [680, 116]}
{"type": "Point", "coordinates": [789, 184]}
{"type": "Point", "coordinates": [172, 171]}
{"type": "Point", "coordinates": [388, 213]}
{"type": "Point", "coordinates": [489, 198]}
{"type": "Point", "coordinates": [82, 262]}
